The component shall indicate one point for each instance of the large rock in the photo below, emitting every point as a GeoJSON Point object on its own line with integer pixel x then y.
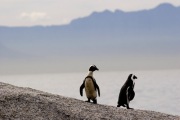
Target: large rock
{"type": "Point", "coordinates": [18, 103]}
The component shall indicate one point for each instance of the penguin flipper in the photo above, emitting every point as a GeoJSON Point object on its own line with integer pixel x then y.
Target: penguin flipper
{"type": "Point", "coordinates": [81, 88]}
{"type": "Point", "coordinates": [131, 94]}
{"type": "Point", "coordinates": [97, 87]}
{"type": "Point", "coordinates": [98, 90]}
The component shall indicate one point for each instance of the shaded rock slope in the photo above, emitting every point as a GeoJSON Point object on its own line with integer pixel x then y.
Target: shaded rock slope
{"type": "Point", "coordinates": [18, 103]}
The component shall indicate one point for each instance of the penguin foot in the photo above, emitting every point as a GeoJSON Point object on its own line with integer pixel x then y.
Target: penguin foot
{"type": "Point", "coordinates": [118, 105]}
{"type": "Point", "coordinates": [95, 101]}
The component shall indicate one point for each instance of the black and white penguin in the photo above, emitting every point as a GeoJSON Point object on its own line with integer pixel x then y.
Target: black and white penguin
{"type": "Point", "coordinates": [127, 92]}
{"type": "Point", "coordinates": [90, 85]}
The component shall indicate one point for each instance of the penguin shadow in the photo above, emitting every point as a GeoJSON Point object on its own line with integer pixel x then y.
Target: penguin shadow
{"type": "Point", "coordinates": [127, 93]}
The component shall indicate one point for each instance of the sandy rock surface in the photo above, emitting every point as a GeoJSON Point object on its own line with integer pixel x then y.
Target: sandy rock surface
{"type": "Point", "coordinates": [18, 103]}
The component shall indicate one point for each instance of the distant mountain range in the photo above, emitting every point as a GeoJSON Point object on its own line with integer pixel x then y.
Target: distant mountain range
{"type": "Point", "coordinates": [102, 37]}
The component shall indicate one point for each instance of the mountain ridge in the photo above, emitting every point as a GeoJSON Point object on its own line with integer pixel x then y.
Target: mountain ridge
{"type": "Point", "coordinates": [162, 6]}
{"type": "Point", "coordinates": [103, 36]}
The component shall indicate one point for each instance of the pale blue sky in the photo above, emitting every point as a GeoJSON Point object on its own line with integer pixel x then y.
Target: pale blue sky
{"type": "Point", "coordinates": [57, 12]}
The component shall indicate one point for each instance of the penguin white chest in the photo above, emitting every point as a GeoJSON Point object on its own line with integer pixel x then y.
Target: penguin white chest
{"type": "Point", "coordinates": [90, 89]}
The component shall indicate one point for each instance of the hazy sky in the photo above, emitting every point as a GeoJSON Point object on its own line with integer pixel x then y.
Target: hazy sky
{"type": "Point", "coordinates": [56, 12]}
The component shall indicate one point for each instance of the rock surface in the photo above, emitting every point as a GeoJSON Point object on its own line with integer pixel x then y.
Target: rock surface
{"type": "Point", "coordinates": [18, 103]}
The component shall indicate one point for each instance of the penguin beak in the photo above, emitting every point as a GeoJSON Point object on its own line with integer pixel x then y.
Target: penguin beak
{"type": "Point", "coordinates": [97, 69]}
{"type": "Point", "coordinates": [135, 77]}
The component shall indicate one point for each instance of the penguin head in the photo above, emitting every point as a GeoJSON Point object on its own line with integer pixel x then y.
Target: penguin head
{"type": "Point", "coordinates": [93, 68]}
{"type": "Point", "coordinates": [132, 77]}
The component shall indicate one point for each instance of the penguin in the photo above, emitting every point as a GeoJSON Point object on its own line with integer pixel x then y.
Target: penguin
{"type": "Point", "coordinates": [90, 85]}
{"type": "Point", "coordinates": [127, 92]}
